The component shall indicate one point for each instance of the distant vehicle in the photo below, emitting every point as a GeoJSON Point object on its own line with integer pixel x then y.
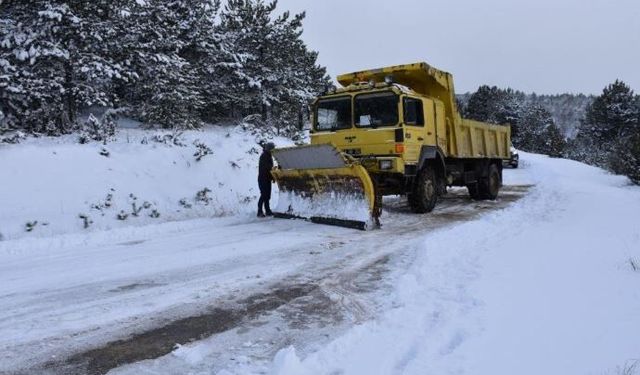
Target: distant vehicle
{"type": "Point", "coordinates": [513, 160]}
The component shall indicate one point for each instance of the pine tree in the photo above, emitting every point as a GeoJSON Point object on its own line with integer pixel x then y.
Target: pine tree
{"type": "Point", "coordinates": [554, 143]}
{"type": "Point", "coordinates": [534, 121]}
{"type": "Point", "coordinates": [171, 63]}
{"type": "Point", "coordinates": [166, 43]}
{"type": "Point", "coordinates": [273, 74]}
{"type": "Point", "coordinates": [625, 158]}
{"type": "Point", "coordinates": [32, 58]}
{"type": "Point", "coordinates": [612, 116]}
{"type": "Point", "coordinates": [55, 60]}
{"type": "Point", "coordinates": [246, 25]}
{"type": "Point", "coordinates": [483, 104]}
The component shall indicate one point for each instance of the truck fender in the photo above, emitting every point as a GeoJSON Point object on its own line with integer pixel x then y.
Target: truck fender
{"type": "Point", "coordinates": [432, 153]}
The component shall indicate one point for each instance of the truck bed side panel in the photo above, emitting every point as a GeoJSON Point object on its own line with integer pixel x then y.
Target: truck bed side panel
{"type": "Point", "coordinates": [475, 139]}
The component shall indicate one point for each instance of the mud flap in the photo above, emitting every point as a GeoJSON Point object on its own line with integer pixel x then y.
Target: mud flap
{"type": "Point", "coordinates": [318, 183]}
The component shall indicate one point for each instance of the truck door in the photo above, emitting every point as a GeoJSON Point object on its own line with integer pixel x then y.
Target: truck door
{"type": "Point", "coordinates": [440, 126]}
{"type": "Point", "coordinates": [414, 129]}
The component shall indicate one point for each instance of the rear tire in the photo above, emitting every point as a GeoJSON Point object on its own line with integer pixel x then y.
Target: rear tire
{"type": "Point", "coordinates": [474, 192]}
{"type": "Point", "coordinates": [492, 185]}
{"type": "Point", "coordinates": [424, 197]}
{"type": "Point", "coordinates": [486, 188]}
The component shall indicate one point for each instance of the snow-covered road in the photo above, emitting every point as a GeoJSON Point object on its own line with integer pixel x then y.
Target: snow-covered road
{"type": "Point", "coordinates": [537, 282]}
{"type": "Point", "coordinates": [80, 292]}
{"type": "Point", "coordinates": [58, 299]}
{"type": "Point", "coordinates": [545, 286]}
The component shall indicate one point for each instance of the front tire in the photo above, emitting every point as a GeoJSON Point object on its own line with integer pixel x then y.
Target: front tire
{"type": "Point", "coordinates": [424, 197]}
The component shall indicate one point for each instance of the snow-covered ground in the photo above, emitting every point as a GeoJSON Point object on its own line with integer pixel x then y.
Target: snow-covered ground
{"type": "Point", "coordinates": [543, 287]}
{"type": "Point", "coordinates": [539, 282]}
{"type": "Point", "coordinates": [141, 178]}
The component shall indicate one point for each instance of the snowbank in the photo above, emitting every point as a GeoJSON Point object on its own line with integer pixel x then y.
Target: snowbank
{"type": "Point", "coordinates": [53, 186]}
{"type": "Point", "coordinates": [544, 287]}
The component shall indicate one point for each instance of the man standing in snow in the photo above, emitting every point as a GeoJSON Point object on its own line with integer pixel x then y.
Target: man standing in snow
{"type": "Point", "coordinates": [265, 179]}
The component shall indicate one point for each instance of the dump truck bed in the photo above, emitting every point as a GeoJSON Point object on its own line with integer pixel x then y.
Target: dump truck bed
{"type": "Point", "coordinates": [475, 139]}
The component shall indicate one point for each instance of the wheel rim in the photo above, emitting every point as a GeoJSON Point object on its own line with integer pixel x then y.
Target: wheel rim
{"type": "Point", "coordinates": [428, 190]}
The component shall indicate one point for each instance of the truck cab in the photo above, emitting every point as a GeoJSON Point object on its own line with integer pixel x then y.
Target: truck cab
{"type": "Point", "coordinates": [384, 125]}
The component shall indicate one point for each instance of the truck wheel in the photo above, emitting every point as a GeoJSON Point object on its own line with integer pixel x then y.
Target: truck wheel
{"type": "Point", "coordinates": [425, 191]}
{"type": "Point", "coordinates": [490, 186]}
{"type": "Point", "coordinates": [474, 192]}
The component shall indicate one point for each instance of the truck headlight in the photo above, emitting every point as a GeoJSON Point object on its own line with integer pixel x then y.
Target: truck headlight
{"type": "Point", "coordinates": [386, 164]}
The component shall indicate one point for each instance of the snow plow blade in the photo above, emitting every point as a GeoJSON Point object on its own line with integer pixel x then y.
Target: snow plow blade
{"type": "Point", "coordinates": [353, 224]}
{"type": "Point", "coordinates": [320, 184]}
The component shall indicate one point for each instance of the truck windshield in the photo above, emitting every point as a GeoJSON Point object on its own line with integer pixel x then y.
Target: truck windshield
{"type": "Point", "coordinates": [333, 114]}
{"type": "Point", "coordinates": [379, 109]}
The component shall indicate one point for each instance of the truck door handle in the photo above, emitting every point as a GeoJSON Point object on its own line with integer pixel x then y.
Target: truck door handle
{"type": "Point", "coordinates": [420, 139]}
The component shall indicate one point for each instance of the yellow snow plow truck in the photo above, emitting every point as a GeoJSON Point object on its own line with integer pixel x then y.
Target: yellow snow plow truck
{"type": "Point", "coordinates": [389, 131]}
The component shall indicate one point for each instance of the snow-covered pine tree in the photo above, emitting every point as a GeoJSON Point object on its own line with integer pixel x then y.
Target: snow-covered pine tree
{"type": "Point", "coordinates": [625, 158]}
{"type": "Point", "coordinates": [214, 56]}
{"type": "Point", "coordinates": [171, 62]}
{"type": "Point", "coordinates": [273, 74]}
{"type": "Point", "coordinates": [301, 79]}
{"type": "Point", "coordinates": [246, 26]}
{"type": "Point", "coordinates": [164, 38]}
{"type": "Point", "coordinates": [539, 133]}
{"type": "Point", "coordinates": [56, 60]}
{"type": "Point", "coordinates": [555, 143]}
{"type": "Point", "coordinates": [481, 105]}
{"type": "Point", "coordinates": [32, 59]}
{"type": "Point", "coordinates": [533, 123]}
{"type": "Point", "coordinates": [611, 117]}
{"type": "Point", "coordinates": [612, 114]}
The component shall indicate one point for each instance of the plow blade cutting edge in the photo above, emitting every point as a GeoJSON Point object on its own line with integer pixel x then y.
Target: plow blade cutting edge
{"type": "Point", "coordinates": [318, 183]}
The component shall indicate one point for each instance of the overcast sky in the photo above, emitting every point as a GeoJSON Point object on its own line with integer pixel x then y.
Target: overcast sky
{"type": "Point", "coordinates": [542, 46]}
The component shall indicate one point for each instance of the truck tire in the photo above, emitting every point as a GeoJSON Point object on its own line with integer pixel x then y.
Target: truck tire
{"type": "Point", "coordinates": [474, 192]}
{"type": "Point", "coordinates": [425, 191]}
{"type": "Point", "coordinates": [486, 188]}
{"type": "Point", "coordinates": [490, 187]}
